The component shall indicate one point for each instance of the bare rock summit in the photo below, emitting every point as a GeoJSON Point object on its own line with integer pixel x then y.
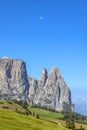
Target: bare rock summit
{"type": "Point", "coordinates": [13, 79]}
{"type": "Point", "coordinates": [50, 90]}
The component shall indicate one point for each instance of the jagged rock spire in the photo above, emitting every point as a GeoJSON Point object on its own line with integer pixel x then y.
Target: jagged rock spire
{"type": "Point", "coordinates": [51, 90]}
{"type": "Point", "coordinates": [43, 78]}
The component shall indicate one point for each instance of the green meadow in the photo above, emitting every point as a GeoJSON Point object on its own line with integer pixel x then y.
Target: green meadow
{"type": "Point", "coordinates": [45, 113]}
{"type": "Point", "coordinates": [10, 120]}
{"type": "Point", "coordinates": [13, 117]}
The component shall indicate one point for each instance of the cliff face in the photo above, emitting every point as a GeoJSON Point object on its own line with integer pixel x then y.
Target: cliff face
{"type": "Point", "coordinates": [13, 79]}
{"type": "Point", "coordinates": [51, 90]}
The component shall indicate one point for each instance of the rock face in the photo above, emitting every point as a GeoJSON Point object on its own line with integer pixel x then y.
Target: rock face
{"type": "Point", "coordinates": [50, 91]}
{"type": "Point", "coordinates": [13, 79]}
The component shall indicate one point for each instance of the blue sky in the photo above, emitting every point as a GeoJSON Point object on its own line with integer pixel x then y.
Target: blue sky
{"type": "Point", "coordinates": [47, 33]}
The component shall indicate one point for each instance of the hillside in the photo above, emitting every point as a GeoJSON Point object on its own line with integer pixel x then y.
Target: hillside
{"type": "Point", "coordinates": [46, 113]}
{"type": "Point", "coordinates": [13, 121]}
{"type": "Point", "coordinates": [14, 117]}
{"type": "Point", "coordinates": [60, 118]}
{"type": "Point", "coordinates": [11, 105]}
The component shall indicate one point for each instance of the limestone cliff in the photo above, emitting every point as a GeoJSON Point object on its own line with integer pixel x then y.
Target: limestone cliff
{"type": "Point", "coordinates": [13, 79]}
{"type": "Point", "coordinates": [51, 90]}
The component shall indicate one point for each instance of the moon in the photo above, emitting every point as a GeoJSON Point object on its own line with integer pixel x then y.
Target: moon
{"type": "Point", "coordinates": [41, 17]}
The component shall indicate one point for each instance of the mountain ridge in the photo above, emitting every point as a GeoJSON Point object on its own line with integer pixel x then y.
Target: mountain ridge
{"type": "Point", "coordinates": [50, 90]}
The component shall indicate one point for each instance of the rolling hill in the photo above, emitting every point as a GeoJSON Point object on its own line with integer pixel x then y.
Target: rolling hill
{"type": "Point", "coordinates": [14, 117]}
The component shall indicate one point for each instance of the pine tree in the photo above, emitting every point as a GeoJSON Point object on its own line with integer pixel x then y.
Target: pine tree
{"type": "Point", "coordinates": [70, 124]}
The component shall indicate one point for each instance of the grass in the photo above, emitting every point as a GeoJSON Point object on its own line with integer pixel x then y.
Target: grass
{"type": "Point", "coordinates": [83, 125]}
{"type": "Point", "coordinates": [11, 105]}
{"type": "Point", "coordinates": [77, 125]}
{"type": "Point", "coordinates": [54, 117]}
{"type": "Point", "coordinates": [45, 113]}
{"type": "Point", "coordinates": [10, 120]}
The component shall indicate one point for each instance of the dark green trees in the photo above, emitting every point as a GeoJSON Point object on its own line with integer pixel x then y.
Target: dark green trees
{"type": "Point", "coordinates": [70, 124]}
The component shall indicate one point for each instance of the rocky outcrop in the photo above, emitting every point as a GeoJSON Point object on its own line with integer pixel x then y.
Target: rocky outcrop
{"type": "Point", "coordinates": [43, 78]}
{"type": "Point", "coordinates": [57, 94]}
{"type": "Point", "coordinates": [50, 91]}
{"type": "Point", "coordinates": [13, 79]}
{"type": "Point", "coordinates": [36, 88]}
{"type": "Point", "coordinates": [33, 88]}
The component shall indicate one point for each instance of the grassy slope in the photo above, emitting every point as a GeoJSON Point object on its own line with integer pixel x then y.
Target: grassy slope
{"type": "Point", "coordinates": [53, 116]}
{"type": "Point", "coordinates": [13, 121]}
{"type": "Point", "coordinates": [9, 120]}
{"type": "Point", "coordinates": [11, 105]}
{"type": "Point", "coordinates": [63, 123]}
{"type": "Point", "coordinates": [46, 114]}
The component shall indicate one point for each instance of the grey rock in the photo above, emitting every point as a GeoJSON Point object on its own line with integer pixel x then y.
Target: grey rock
{"type": "Point", "coordinates": [43, 78]}
{"type": "Point", "coordinates": [50, 91]}
{"type": "Point", "coordinates": [33, 88]}
{"type": "Point", "coordinates": [13, 79]}
{"type": "Point", "coordinates": [36, 89]}
{"type": "Point", "coordinates": [57, 94]}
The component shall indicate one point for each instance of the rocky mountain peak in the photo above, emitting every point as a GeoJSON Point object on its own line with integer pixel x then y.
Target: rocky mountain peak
{"type": "Point", "coordinates": [54, 74]}
{"type": "Point", "coordinates": [44, 74]}
{"type": "Point", "coordinates": [54, 69]}
{"type": "Point", "coordinates": [13, 79]}
{"type": "Point", "coordinates": [44, 71]}
{"type": "Point", "coordinates": [50, 90]}
{"type": "Point", "coordinates": [43, 77]}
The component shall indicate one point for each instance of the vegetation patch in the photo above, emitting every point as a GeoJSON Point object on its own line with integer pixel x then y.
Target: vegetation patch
{"type": "Point", "coordinates": [18, 115]}
{"type": "Point", "coordinates": [12, 121]}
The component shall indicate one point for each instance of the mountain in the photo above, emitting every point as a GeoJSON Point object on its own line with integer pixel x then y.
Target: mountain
{"type": "Point", "coordinates": [13, 79]}
{"type": "Point", "coordinates": [50, 91]}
